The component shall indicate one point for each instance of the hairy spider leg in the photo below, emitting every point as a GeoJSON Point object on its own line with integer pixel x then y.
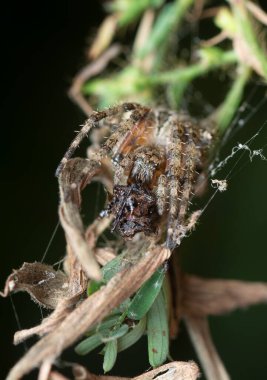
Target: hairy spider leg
{"type": "Point", "coordinates": [174, 171]}
{"type": "Point", "coordinates": [90, 123]}
{"type": "Point", "coordinates": [190, 159]}
{"type": "Point", "coordinates": [161, 192]}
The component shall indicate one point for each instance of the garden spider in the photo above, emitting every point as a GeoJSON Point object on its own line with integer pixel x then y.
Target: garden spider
{"type": "Point", "coordinates": [157, 158]}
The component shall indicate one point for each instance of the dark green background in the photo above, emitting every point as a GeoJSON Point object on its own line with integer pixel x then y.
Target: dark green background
{"type": "Point", "coordinates": [43, 47]}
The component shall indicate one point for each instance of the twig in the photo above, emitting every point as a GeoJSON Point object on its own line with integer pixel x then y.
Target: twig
{"type": "Point", "coordinates": [88, 72]}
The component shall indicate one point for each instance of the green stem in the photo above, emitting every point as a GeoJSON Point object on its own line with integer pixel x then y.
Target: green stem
{"type": "Point", "coordinates": [234, 97]}
{"type": "Point", "coordinates": [191, 72]}
{"type": "Point", "coordinates": [130, 11]}
{"type": "Point", "coordinates": [166, 24]}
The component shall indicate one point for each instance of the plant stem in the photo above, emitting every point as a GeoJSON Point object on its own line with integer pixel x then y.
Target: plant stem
{"type": "Point", "coordinates": [168, 21]}
{"type": "Point", "coordinates": [191, 72]}
{"type": "Point", "coordinates": [229, 107]}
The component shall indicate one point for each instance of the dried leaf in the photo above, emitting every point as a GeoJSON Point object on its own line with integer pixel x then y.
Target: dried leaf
{"type": "Point", "coordinates": [89, 71]}
{"type": "Point", "coordinates": [45, 285]}
{"type": "Point", "coordinates": [104, 36]}
{"type": "Point", "coordinates": [170, 371]}
{"type": "Point", "coordinates": [200, 335]}
{"type": "Point", "coordinates": [173, 371]}
{"type": "Point", "coordinates": [76, 288]}
{"type": "Point", "coordinates": [202, 297]}
{"type": "Point", "coordinates": [75, 175]}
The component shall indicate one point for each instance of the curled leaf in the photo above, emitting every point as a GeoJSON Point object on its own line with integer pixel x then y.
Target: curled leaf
{"type": "Point", "coordinates": [45, 285]}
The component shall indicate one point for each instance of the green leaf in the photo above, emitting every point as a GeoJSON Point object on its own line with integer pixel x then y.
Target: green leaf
{"type": "Point", "coordinates": [94, 286]}
{"type": "Point", "coordinates": [129, 10]}
{"type": "Point", "coordinates": [110, 356]}
{"type": "Point", "coordinates": [88, 344]}
{"type": "Point", "coordinates": [112, 268]}
{"type": "Point", "coordinates": [168, 20]}
{"type": "Point", "coordinates": [114, 334]}
{"type": "Point", "coordinates": [104, 325]}
{"type": "Point", "coordinates": [132, 336]}
{"type": "Point", "coordinates": [146, 295]}
{"type": "Point", "coordinates": [158, 332]}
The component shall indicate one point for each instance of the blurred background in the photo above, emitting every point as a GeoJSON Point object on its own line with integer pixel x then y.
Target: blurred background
{"type": "Point", "coordinates": [43, 46]}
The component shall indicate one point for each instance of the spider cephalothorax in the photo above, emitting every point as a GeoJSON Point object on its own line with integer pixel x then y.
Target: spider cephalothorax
{"type": "Point", "coordinates": [155, 157]}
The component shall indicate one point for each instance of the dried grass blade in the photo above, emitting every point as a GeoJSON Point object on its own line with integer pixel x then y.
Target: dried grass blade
{"type": "Point", "coordinates": [200, 335]}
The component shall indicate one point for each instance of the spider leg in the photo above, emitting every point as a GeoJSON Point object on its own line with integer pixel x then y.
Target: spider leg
{"type": "Point", "coordinates": [92, 122]}
{"type": "Point", "coordinates": [129, 133]}
{"type": "Point", "coordinates": [175, 158]}
{"type": "Point", "coordinates": [161, 193]}
{"type": "Point", "coordinates": [181, 181]}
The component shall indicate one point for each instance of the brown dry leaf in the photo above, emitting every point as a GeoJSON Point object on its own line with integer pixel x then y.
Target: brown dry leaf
{"type": "Point", "coordinates": [212, 364]}
{"type": "Point", "coordinates": [173, 371]}
{"type": "Point", "coordinates": [257, 12]}
{"type": "Point", "coordinates": [76, 285]}
{"type": "Point", "coordinates": [203, 297]}
{"type": "Point", "coordinates": [75, 175]}
{"type": "Point", "coordinates": [246, 55]}
{"type": "Point", "coordinates": [104, 36]}
{"type": "Point", "coordinates": [45, 285]}
{"type": "Point", "coordinates": [170, 371]}
{"type": "Point", "coordinates": [92, 69]}
{"type": "Point", "coordinates": [54, 375]}
{"type": "Point", "coordinates": [81, 373]}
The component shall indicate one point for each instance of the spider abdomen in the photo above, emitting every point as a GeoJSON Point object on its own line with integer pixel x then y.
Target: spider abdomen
{"type": "Point", "coordinates": [135, 210]}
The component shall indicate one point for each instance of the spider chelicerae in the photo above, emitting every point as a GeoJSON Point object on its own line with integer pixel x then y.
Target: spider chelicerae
{"type": "Point", "coordinates": [151, 162]}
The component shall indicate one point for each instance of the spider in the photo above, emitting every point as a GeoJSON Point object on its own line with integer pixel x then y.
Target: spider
{"type": "Point", "coordinates": [157, 157]}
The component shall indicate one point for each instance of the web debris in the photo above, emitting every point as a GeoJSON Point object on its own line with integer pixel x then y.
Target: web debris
{"type": "Point", "coordinates": [236, 149]}
{"type": "Point", "coordinates": [220, 184]}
